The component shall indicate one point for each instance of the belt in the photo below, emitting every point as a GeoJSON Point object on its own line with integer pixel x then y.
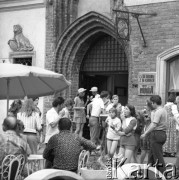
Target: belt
{"type": "Point", "coordinates": [30, 133]}
{"type": "Point", "coordinates": [95, 116]}
{"type": "Point", "coordinates": [159, 130]}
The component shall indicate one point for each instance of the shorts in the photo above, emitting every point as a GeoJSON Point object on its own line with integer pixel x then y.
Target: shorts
{"type": "Point", "coordinates": [81, 120]}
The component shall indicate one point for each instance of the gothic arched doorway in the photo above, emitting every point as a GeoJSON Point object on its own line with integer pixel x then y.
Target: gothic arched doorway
{"type": "Point", "coordinates": [76, 44]}
{"type": "Point", "coordinates": [105, 65]}
{"type": "Point", "coordinates": [89, 54]}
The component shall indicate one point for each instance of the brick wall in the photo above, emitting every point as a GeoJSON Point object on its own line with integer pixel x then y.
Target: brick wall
{"type": "Point", "coordinates": [59, 15]}
{"type": "Point", "coordinates": [161, 32]}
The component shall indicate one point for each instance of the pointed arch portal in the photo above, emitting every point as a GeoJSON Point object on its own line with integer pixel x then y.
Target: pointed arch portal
{"type": "Point", "coordinates": [89, 54]}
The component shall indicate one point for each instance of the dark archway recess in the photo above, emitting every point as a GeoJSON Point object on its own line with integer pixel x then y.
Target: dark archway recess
{"type": "Point", "coordinates": [105, 66]}
{"type": "Point", "coordinates": [76, 41]}
{"type": "Point", "coordinates": [74, 45]}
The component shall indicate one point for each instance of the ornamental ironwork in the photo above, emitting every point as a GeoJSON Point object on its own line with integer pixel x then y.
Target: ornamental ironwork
{"type": "Point", "coordinates": [122, 21]}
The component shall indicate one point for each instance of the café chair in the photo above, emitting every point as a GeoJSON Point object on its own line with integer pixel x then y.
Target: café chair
{"type": "Point", "coordinates": [35, 162]}
{"type": "Point", "coordinates": [12, 167]}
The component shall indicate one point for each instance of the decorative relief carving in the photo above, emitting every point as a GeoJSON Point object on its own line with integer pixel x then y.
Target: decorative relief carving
{"type": "Point", "coordinates": [20, 42]}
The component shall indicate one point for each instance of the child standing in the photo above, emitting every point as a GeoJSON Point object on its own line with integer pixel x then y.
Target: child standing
{"type": "Point", "coordinates": [145, 143]}
{"type": "Point", "coordinates": [65, 112]}
{"type": "Point", "coordinates": [113, 133]}
{"type": "Point", "coordinates": [115, 103]}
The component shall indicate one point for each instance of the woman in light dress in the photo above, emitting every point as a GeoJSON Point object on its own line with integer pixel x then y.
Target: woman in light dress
{"type": "Point", "coordinates": [79, 111]}
{"type": "Point", "coordinates": [169, 147]}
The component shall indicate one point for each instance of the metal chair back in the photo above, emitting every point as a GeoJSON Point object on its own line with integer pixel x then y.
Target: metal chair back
{"type": "Point", "coordinates": [10, 168]}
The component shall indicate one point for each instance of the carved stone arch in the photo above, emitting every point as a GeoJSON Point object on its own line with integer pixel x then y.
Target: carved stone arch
{"type": "Point", "coordinates": [161, 69]}
{"type": "Point", "coordinates": [72, 45]}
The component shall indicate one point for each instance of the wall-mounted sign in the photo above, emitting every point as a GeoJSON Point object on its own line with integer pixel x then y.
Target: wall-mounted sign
{"type": "Point", "coordinates": [146, 83]}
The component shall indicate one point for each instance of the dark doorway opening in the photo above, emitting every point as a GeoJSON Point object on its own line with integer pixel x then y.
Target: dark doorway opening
{"type": "Point", "coordinates": [105, 66]}
{"type": "Point", "coordinates": [113, 83]}
{"type": "Point", "coordinates": [99, 81]}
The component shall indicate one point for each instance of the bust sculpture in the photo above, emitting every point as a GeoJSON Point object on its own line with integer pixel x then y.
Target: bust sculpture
{"type": "Point", "coordinates": [20, 42]}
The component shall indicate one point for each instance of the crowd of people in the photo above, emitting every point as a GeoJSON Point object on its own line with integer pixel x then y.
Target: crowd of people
{"type": "Point", "coordinates": [115, 129]}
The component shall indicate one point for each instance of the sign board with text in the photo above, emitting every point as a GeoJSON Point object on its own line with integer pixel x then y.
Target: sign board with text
{"type": "Point", "coordinates": [146, 83]}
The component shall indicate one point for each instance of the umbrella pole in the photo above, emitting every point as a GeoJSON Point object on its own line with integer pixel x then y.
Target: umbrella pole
{"type": "Point", "coordinates": [8, 95]}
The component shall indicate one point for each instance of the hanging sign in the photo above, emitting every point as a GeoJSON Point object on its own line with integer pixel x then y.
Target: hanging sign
{"type": "Point", "coordinates": [146, 83]}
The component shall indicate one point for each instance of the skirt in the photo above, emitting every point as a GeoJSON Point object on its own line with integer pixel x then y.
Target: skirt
{"type": "Point", "coordinates": [128, 141]}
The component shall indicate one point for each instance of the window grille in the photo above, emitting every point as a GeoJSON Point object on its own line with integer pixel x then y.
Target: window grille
{"type": "Point", "coordinates": [105, 54]}
{"type": "Point", "coordinates": [25, 61]}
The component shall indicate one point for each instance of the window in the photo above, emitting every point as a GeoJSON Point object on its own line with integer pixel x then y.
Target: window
{"type": "Point", "coordinates": [25, 58]}
{"type": "Point", "coordinates": [174, 75]}
{"type": "Point", "coordinates": [25, 61]}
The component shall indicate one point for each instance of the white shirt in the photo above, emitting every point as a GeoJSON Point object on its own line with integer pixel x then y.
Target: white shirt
{"type": "Point", "coordinates": [97, 106]}
{"type": "Point", "coordinates": [116, 123]}
{"type": "Point", "coordinates": [51, 116]}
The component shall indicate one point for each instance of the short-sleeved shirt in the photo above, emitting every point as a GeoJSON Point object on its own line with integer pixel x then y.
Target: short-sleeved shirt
{"type": "Point", "coordinates": [97, 106]}
{"type": "Point", "coordinates": [159, 116]}
{"type": "Point", "coordinates": [116, 123]}
{"type": "Point", "coordinates": [51, 116]}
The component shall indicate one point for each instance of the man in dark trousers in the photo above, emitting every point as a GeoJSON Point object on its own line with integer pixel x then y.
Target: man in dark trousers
{"type": "Point", "coordinates": [157, 130]}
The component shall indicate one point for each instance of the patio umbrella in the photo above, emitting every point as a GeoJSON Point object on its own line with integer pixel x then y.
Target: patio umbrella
{"type": "Point", "coordinates": [18, 81]}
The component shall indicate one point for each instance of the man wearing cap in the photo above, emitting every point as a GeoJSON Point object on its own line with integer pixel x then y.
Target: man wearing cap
{"type": "Point", "coordinates": [96, 106]}
{"type": "Point", "coordinates": [79, 112]}
{"type": "Point", "coordinates": [94, 91]}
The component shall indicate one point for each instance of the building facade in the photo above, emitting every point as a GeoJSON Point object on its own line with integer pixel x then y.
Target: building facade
{"type": "Point", "coordinates": [84, 46]}
{"type": "Point", "coordinates": [31, 17]}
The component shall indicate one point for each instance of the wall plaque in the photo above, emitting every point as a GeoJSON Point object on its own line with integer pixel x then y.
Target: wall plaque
{"type": "Point", "coordinates": [146, 83]}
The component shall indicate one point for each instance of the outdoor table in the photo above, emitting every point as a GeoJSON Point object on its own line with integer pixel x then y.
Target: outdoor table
{"type": "Point", "coordinates": [35, 162]}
